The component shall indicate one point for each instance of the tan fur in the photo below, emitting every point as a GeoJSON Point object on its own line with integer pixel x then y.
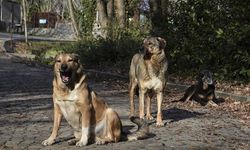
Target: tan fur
{"type": "Point", "coordinates": [148, 73]}
{"type": "Point", "coordinates": [84, 110]}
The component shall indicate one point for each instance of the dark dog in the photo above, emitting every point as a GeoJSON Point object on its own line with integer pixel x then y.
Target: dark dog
{"type": "Point", "coordinates": [203, 91]}
{"type": "Point", "coordinates": [148, 75]}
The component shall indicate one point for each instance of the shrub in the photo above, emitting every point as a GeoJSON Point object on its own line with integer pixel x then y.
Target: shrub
{"type": "Point", "coordinates": [212, 34]}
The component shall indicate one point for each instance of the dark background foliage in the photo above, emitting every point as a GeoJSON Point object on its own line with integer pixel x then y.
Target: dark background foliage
{"type": "Point", "coordinates": [200, 34]}
{"type": "Point", "coordinates": [213, 34]}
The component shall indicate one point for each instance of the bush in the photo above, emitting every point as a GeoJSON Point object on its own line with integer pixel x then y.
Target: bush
{"type": "Point", "coordinates": [213, 34]}
{"type": "Point", "coordinates": [116, 52]}
{"type": "Point", "coordinates": [200, 34]}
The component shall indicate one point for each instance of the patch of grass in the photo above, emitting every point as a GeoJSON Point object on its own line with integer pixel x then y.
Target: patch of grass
{"type": "Point", "coordinates": [101, 54]}
{"type": "Point", "coordinates": [44, 51]}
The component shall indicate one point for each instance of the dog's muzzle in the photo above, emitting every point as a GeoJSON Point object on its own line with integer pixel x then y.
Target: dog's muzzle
{"type": "Point", "coordinates": [65, 74]}
{"type": "Point", "coordinates": [208, 81]}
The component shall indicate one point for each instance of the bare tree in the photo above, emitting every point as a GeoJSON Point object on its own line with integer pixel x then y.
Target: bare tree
{"type": "Point", "coordinates": [110, 9]}
{"type": "Point", "coordinates": [120, 12]}
{"type": "Point", "coordinates": [58, 7]}
{"type": "Point", "coordinates": [156, 12]}
{"type": "Point", "coordinates": [106, 11]}
{"type": "Point", "coordinates": [25, 20]}
{"type": "Point", "coordinates": [164, 7]}
{"type": "Point", "coordinates": [71, 13]}
{"type": "Point", "coordinates": [102, 13]}
{"type": "Point", "coordinates": [136, 15]}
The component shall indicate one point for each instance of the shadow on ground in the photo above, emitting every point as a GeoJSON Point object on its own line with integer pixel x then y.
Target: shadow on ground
{"type": "Point", "coordinates": [176, 114]}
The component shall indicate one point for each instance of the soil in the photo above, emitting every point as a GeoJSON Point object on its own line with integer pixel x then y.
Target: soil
{"type": "Point", "coordinates": [27, 115]}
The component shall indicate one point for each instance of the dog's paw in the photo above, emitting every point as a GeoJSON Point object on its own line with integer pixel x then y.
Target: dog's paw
{"type": "Point", "coordinates": [100, 142]}
{"type": "Point", "coordinates": [212, 104]}
{"type": "Point", "coordinates": [142, 116]}
{"type": "Point", "coordinates": [159, 124]}
{"type": "Point", "coordinates": [48, 142]}
{"type": "Point", "coordinates": [149, 117]}
{"type": "Point", "coordinates": [81, 143]}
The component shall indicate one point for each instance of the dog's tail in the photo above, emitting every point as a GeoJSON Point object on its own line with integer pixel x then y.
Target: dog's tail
{"type": "Point", "coordinates": [141, 133]}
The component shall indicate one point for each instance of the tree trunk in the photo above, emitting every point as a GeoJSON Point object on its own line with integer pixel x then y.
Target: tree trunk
{"type": "Point", "coordinates": [1, 17]}
{"type": "Point", "coordinates": [105, 11]}
{"type": "Point", "coordinates": [120, 15]}
{"type": "Point", "coordinates": [156, 16]}
{"type": "Point", "coordinates": [25, 20]}
{"type": "Point", "coordinates": [71, 13]}
{"type": "Point", "coordinates": [136, 16]}
{"type": "Point", "coordinates": [110, 10]}
{"type": "Point", "coordinates": [103, 18]}
{"type": "Point", "coordinates": [164, 7]}
{"type": "Point", "coordinates": [102, 13]}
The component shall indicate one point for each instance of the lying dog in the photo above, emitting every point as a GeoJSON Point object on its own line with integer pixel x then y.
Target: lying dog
{"type": "Point", "coordinates": [87, 113]}
{"type": "Point", "coordinates": [203, 91]}
{"type": "Point", "coordinates": [148, 75]}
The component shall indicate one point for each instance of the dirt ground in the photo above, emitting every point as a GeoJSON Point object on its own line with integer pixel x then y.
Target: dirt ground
{"type": "Point", "coordinates": [26, 115]}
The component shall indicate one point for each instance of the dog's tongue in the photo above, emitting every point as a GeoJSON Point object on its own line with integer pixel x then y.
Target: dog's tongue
{"type": "Point", "coordinates": [65, 78]}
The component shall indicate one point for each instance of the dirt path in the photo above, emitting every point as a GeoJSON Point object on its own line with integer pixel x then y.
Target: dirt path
{"type": "Point", "coordinates": [26, 117]}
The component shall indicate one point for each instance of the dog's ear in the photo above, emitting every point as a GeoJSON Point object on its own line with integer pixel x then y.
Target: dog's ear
{"type": "Point", "coordinates": [77, 60]}
{"type": "Point", "coordinates": [56, 57]}
{"type": "Point", "coordinates": [145, 48]}
{"type": "Point", "coordinates": [162, 42]}
{"type": "Point", "coordinates": [76, 57]}
{"type": "Point", "coordinates": [80, 69]}
{"type": "Point", "coordinates": [200, 76]}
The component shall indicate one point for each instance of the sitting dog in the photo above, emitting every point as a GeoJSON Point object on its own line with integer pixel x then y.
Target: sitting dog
{"type": "Point", "coordinates": [148, 76]}
{"type": "Point", "coordinates": [203, 91]}
{"type": "Point", "coordinates": [87, 113]}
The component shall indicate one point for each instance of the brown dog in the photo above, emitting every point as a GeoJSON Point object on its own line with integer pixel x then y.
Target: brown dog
{"type": "Point", "coordinates": [84, 110]}
{"type": "Point", "coordinates": [148, 75]}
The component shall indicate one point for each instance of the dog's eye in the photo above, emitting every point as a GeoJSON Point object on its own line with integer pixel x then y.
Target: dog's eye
{"type": "Point", "coordinates": [70, 60]}
{"type": "Point", "coordinates": [58, 60]}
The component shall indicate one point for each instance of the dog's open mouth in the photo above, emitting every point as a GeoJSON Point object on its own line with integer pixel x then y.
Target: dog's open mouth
{"type": "Point", "coordinates": [65, 76]}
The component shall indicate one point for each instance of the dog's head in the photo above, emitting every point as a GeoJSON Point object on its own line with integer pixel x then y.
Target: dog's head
{"type": "Point", "coordinates": [205, 77]}
{"type": "Point", "coordinates": [154, 45]}
{"type": "Point", "coordinates": [66, 67]}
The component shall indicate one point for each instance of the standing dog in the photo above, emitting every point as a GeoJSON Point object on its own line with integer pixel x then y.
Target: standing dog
{"type": "Point", "coordinates": [84, 110]}
{"type": "Point", "coordinates": [148, 75]}
{"type": "Point", "coordinates": [203, 91]}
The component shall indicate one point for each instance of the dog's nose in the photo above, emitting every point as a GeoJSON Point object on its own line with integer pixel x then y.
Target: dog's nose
{"type": "Point", "coordinates": [210, 81]}
{"type": "Point", "coordinates": [64, 67]}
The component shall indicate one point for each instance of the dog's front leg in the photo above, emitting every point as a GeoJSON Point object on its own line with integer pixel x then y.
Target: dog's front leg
{"type": "Point", "coordinates": [57, 121]}
{"type": "Point", "coordinates": [132, 86]}
{"type": "Point", "coordinates": [189, 93]}
{"type": "Point", "coordinates": [211, 100]}
{"type": "Point", "coordinates": [141, 102]}
{"type": "Point", "coordinates": [86, 117]}
{"type": "Point", "coordinates": [148, 100]}
{"type": "Point", "coordinates": [159, 122]}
